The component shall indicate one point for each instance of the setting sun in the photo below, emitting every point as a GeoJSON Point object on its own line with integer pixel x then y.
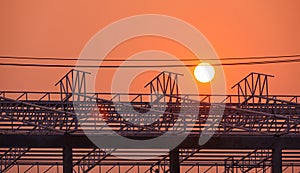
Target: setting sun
{"type": "Point", "coordinates": [204, 72]}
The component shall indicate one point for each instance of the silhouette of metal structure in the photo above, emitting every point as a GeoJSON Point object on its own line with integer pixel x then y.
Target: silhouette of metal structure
{"type": "Point", "coordinates": [41, 131]}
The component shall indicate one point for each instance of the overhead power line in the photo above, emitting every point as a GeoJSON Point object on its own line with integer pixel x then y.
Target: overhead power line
{"type": "Point", "coordinates": [116, 60]}
{"type": "Point", "coordinates": [147, 66]}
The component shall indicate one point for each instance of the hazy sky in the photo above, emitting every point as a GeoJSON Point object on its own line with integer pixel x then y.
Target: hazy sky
{"type": "Point", "coordinates": [235, 29]}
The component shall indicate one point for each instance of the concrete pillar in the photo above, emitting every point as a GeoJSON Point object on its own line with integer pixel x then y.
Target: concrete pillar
{"type": "Point", "coordinates": [174, 161]}
{"type": "Point", "coordinates": [276, 160]}
{"type": "Point", "coordinates": [67, 160]}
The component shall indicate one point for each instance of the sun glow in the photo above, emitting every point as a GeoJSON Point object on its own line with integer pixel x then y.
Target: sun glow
{"type": "Point", "coordinates": [204, 72]}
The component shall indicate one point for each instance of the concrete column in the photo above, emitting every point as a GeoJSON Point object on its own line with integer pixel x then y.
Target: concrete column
{"type": "Point", "coordinates": [67, 160]}
{"type": "Point", "coordinates": [276, 160]}
{"type": "Point", "coordinates": [174, 161]}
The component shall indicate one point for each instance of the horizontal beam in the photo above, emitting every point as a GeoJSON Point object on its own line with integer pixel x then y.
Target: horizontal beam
{"type": "Point", "coordinates": [216, 142]}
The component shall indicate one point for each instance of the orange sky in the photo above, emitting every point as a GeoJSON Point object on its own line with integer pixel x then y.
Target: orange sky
{"type": "Point", "coordinates": [235, 28]}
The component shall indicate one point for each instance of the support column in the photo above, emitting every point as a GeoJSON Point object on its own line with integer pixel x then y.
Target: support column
{"type": "Point", "coordinates": [67, 160]}
{"type": "Point", "coordinates": [174, 161]}
{"type": "Point", "coordinates": [276, 160]}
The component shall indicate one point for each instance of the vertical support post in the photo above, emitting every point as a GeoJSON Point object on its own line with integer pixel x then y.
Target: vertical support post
{"type": "Point", "coordinates": [264, 166]}
{"type": "Point", "coordinates": [37, 167]}
{"type": "Point", "coordinates": [67, 160]}
{"type": "Point", "coordinates": [276, 160]}
{"type": "Point", "coordinates": [57, 167]}
{"type": "Point", "coordinates": [174, 161]}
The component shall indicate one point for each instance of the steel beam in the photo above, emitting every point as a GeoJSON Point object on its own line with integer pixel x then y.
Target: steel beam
{"type": "Point", "coordinates": [216, 142]}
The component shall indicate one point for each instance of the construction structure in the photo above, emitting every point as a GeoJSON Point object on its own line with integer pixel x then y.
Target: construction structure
{"type": "Point", "coordinates": [47, 131]}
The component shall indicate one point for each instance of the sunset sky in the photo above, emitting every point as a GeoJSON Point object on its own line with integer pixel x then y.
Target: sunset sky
{"type": "Point", "coordinates": [234, 28]}
{"type": "Point", "coordinates": [62, 28]}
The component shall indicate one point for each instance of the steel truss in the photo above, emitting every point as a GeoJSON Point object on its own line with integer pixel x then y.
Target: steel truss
{"type": "Point", "coordinates": [251, 115]}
